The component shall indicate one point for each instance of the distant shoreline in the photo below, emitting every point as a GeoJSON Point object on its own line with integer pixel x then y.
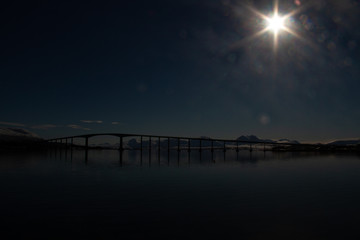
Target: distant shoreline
{"type": "Point", "coordinates": [43, 145]}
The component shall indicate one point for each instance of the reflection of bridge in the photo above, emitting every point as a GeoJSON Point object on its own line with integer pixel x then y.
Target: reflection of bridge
{"type": "Point", "coordinates": [223, 142]}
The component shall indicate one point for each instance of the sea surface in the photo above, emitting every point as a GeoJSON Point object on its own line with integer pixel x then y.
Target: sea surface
{"type": "Point", "coordinates": [101, 194]}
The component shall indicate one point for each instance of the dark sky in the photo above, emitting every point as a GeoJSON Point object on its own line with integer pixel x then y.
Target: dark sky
{"type": "Point", "coordinates": [186, 68]}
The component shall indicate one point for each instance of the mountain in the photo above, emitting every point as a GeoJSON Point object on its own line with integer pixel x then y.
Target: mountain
{"type": "Point", "coordinates": [17, 135]}
{"type": "Point", "coordinates": [16, 139]}
{"type": "Point", "coordinates": [253, 138]}
{"type": "Point", "coordinates": [249, 138]}
{"type": "Point", "coordinates": [345, 142]}
{"type": "Point", "coordinates": [287, 141]}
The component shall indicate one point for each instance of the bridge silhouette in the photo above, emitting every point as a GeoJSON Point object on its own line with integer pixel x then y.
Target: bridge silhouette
{"type": "Point", "coordinates": [223, 142]}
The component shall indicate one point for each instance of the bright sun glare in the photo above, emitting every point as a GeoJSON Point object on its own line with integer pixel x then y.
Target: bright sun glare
{"type": "Point", "coordinates": [276, 23]}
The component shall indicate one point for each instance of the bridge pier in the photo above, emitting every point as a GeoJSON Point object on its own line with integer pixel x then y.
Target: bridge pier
{"type": "Point", "coordinates": [141, 144]}
{"type": "Point", "coordinates": [168, 145]}
{"type": "Point", "coordinates": [141, 149]}
{"type": "Point", "coordinates": [159, 150]}
{"type": "Point", "coordinates": [178, 145]}
{"type": "Point", "coordinates": [149, 147]}
{"type": "Point", "coordinates": [86, 143]}
{"type": "Point", "coordinates": [224, 147]}
{"type": "Point", "coordinates": [189, 154]}
{"type": "Point", "coordinates": [121, 144]}
{"type": "Point", "coordinates": [168, 149]}
{"type": "Point", "coordinates": [200, 146]}
{"type": "Point", "coordinates": [189, 149]}
{"type": "Point", "coordinates": [212, 150]}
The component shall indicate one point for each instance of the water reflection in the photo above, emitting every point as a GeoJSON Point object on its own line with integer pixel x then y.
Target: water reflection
{"type": "Point", "coordinates": [106, 194]}
{"type": "Point", "coordinates": [150, 158]}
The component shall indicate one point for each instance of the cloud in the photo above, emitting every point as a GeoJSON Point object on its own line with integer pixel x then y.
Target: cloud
{"type": "Point", "coordinates": [12, 124]}
{"type": "Point", "coordinates": [44, 126]}
{"type": "Point", "coordinates": [91, 121]}
{"type": "Point", "coordinates": [116, 123]}
{"type": "Point", "coordinates": [74, 126]}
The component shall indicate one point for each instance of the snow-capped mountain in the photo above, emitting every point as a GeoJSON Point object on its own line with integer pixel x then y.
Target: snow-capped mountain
{"type": "Point", "coordinates": [284, 140]}
{"type": "Point", "coordinates": [253, 138]}
{"type": "Point", "coordinates": [345, 142]}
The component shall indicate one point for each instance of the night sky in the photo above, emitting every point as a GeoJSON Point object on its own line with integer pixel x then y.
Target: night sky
{"type": "Point", "coordinates": [186, 67]}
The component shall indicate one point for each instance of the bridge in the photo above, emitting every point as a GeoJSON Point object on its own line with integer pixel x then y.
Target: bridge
{"type": "Point", "coordinates": [223, 142]}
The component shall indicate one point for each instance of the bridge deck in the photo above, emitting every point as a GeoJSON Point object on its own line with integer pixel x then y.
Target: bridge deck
{"type": "Point", "coordinates": [123, 135]}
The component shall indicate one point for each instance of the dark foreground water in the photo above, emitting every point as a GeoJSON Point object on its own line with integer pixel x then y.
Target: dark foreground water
{"type": "Point", "coordinates": [63, 195]}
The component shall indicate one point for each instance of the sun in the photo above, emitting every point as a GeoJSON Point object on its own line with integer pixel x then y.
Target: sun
{"type": "Point", "coordinates": [276, 23]}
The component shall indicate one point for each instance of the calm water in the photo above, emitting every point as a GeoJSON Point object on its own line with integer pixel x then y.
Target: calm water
{"type": "Point", "coordinates": [64, 195]}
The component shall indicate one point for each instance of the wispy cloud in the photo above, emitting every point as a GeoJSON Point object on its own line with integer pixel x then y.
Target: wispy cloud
{"type": "Point", "coordinates": [74, 126]}
{"type": "Point", "coordinates": [50, 126]}
{"type": "Point", "coordinates": [116, 123]}
{"type": "Point", "coordinates": [44, 126]}
{"type": "Point", "coordinates": [91, 121]}
{"type": "Point", "coordinates": [12, 124]}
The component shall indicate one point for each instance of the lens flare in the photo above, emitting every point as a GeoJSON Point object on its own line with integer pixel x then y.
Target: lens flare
{"type": "Point", "coordinates": [276, 23]}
